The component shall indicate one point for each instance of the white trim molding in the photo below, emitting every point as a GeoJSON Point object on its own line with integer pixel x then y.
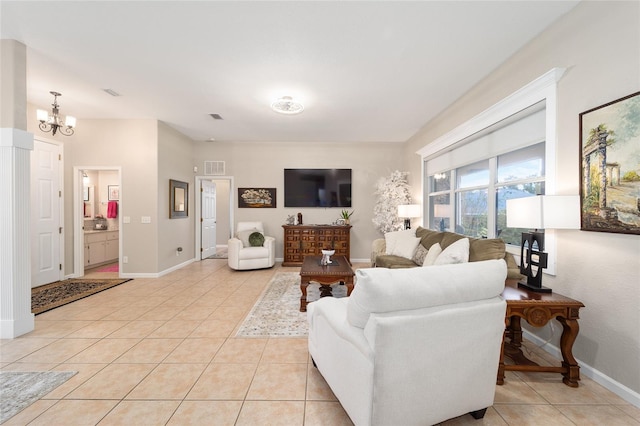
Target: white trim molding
{"type": "Point", "coordinates": [540, 89]}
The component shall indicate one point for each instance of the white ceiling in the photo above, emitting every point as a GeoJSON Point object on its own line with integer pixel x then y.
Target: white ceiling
{"type": "Point", "coordinates": [366, 71]}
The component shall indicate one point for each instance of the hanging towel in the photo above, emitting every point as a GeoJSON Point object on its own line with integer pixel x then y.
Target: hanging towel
{"type": "Point", "coordinates": [112, 210]}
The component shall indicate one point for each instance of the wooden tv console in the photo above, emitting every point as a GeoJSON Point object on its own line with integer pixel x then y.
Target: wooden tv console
{"type": "Point", "coordinates": [309, 240]}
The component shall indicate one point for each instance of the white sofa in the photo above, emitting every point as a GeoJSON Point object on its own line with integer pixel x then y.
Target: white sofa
{"type": "Point", "coordinates": [412, 346]}
{"type": "Point", "coordinates": [241, 256]}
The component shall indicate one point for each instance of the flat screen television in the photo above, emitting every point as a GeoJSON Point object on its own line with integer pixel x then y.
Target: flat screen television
{"type": "Point", "coordinates": [317, 187]}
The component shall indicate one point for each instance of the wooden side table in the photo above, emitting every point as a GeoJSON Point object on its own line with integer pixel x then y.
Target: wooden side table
{"type": "Point", "coordinates": [538, 309]}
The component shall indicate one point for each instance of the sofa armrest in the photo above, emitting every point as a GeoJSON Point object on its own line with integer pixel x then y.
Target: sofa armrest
{"type": "Point", "coordinates": [331, 312]}
{"type": "Point", "coordinates": [377, 248]}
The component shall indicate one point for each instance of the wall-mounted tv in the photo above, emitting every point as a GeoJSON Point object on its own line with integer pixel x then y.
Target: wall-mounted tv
{"type": "Point", "coordinates": [317, 187]}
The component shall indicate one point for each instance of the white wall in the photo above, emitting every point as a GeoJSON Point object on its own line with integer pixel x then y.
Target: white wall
{"type": "Point", "coordinates": [599, 45]}
{"type": "Point", "coordinates": [263, 164]}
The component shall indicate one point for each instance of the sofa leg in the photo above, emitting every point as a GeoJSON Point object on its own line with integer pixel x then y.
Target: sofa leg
{"type": "Point", "coordinates": [314, 363]}
{"type": "Point", "coordinates": [478, 414]}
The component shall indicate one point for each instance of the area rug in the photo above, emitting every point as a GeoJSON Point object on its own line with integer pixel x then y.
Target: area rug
{"type": "Point", "coordinates": [19, 389]}
{"type": "Point", "coordinates": [277, 312]}
{"type": "Point", "coordinates": [49, 296]}
{"type": "Point", "coordinates": [110, 268]}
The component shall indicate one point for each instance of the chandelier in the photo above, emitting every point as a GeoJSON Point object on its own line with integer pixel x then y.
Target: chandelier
{"type": "Point", "coordinates": [53, 122]}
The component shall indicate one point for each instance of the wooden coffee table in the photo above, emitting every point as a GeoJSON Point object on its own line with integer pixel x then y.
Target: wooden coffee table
{"type": "Point", "coordinates": [325, 275]}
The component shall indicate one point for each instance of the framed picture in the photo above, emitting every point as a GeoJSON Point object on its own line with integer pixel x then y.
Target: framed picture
{"type": "Point", "coordinates": [610, 167]}
{"type": "Point", "coordinates": [178, 199]}
{"type": "Point", "coordinates": [257, 197]}
{"type": "Point", "coordinates": [113, 192]}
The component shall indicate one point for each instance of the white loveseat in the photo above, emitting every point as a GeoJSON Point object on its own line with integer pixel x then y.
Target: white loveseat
{"type": "Point", "coordinates": [412, 346]}
{"type": "Point", "coordinates": [243, 256]}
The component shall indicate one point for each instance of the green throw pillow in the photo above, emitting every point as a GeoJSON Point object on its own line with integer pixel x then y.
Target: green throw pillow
{"type": "Point", "coordinates": [256, 239]}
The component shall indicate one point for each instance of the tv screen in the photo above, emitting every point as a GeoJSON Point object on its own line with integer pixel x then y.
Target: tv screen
{"type": "Point", "coordinates": [317, 187]}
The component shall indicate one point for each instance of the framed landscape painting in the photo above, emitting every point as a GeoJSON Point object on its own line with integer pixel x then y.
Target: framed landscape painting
{"type": "Point", "coordinates": [610, 167]}
{"type": "Point", "coordinates": [257, 197]}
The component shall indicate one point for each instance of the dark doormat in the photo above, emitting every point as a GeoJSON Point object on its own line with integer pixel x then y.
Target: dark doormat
{"type": "Point", "coordinates": [50, 296]}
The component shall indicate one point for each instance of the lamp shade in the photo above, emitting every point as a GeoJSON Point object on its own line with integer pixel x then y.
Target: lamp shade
{"type": "Point", "coordinates": [544, 212]}
{"type": "Point", "coordinates": [442, 210]}
{"type": "Point", "coordinates": [409, 210]}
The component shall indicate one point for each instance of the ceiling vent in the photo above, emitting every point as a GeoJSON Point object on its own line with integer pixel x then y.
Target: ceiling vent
{"type": "Point", "coordinates": [214, 168]}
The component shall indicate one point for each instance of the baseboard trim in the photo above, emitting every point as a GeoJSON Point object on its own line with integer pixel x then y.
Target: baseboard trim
{"type": "Point", "coordinates": [597, 376]}
{"type": "Point", "coordinates": [156, 274]}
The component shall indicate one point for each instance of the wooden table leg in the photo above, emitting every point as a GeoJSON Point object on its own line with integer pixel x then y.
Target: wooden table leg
{"type": "Point", "coordinates": [570, 330]}
{"type": "Point", "coordinates": [500, 380]}
{"type": "Point", "coordinates": [349, 283]}
{"type": "Point", "coordinates": [304, 282]}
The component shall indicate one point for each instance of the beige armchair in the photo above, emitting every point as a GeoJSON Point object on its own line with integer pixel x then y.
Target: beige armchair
{"type": "Point", "coordinates": [248, 250]}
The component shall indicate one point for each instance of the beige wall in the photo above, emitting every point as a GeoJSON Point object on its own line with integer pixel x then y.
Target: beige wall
{"type": "Point", "coordinates": [174, 162]}
{"type": "Point", "coordinates": [599, 45]}
{"type": "Point", "coordinates": [263, 164]}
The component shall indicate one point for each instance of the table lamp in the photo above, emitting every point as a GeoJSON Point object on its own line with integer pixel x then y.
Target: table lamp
{"type": "Point", "coordinates": [442, 211]}
{"type": "Point", "coordinates": [538, 213]}
{"type": "Point", "coordinates": [408, 211]}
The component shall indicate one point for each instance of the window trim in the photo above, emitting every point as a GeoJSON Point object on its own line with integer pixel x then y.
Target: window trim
{"type": "Point", "coordinates": [543, 88]}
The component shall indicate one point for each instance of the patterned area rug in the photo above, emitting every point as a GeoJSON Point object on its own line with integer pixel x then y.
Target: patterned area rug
{"type": "Point", "coordinates": [277, 312]}
{"type": "Point", "coordinates": [19, 389]}
{"type": "Point", "coordinates": [49, 296]}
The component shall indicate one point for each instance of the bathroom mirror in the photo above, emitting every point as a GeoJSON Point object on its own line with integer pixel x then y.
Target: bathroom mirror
{"type": "Point", "coordinates": [178, 199]}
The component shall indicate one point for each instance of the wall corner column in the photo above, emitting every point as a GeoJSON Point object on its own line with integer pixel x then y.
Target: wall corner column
{"type": "Point", "coordinates": [15, 233]}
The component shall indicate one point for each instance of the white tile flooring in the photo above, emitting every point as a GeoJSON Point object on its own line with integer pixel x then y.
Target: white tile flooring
{"type": "Point", "coordinates": [163, 352]}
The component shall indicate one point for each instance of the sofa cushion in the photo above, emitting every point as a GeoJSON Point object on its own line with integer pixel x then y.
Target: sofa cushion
{"type": "Point", "coordinates": [419, 255]}
{"type": "Point", "coordinates": [380, 290]}
{"type": "Point", "coordinates": [457, 252]}
{"type": "Point", "coordinates": [244, 236]}
{"type": "Point", "coordinates": [428, 237]}
{"type": "Point", "coordinates": [256, 239]}
{"type": "Point", "coordinates": [432, 255]}
{"type": "Point", "coordinates": [486, 249]}
{"type": "Point", "coordinates": [394, 262]}
{"type": "Point", "coordinates": [405, 247]}
{"type": "Point", "coordinates": [393, 238]}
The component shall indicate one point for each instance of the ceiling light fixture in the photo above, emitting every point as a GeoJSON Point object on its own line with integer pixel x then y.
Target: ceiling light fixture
{"type": "Point", "coordinates": [52, 122]}
{"type": "Point", "coordinates": [286, 105]}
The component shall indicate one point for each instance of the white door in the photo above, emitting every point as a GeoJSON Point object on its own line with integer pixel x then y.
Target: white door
{"type": "Point", "coordinates": [46, 225]}
{"type": "Point", "coordinates": [208, 218]}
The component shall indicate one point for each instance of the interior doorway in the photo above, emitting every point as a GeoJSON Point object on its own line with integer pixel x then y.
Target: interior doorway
{"type": "Point", "coordinates": [97, 204]}
{"type": "Point", "coordinates": [224, 212]}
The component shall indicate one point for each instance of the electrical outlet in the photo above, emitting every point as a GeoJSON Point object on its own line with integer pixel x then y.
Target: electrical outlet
{"type": "Point", "coordinates": [125, 259]}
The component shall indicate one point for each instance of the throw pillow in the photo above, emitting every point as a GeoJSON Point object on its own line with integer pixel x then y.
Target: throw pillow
{"type": "Point", "coordinates": [419, 255]}
{"type": "Point", "coordinates": [244, 236]}
{"type": "Point", "coordinates": [256, 239]}
{"type": "Point", "coordinates": [405, 247]}
{"type": "Point", "coordinates": [457, 252]}
{"type": "Point", "coordinates": [392, 238]}
{"type": "Point", "coordinates": [432, 255]}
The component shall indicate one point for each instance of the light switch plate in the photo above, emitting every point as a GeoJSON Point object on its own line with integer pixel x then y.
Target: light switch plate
{"type": "Point", "coordinates": [145, 219]}
{"type": "Point", "coordinates": [126, 219]}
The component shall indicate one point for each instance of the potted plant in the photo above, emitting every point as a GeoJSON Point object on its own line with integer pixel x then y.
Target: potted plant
{"type": "Point", "coordinates": [345, 215]}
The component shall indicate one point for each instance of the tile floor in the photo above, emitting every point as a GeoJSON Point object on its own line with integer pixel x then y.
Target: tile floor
{"type": "Point", "coordinates": [163, 352]}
